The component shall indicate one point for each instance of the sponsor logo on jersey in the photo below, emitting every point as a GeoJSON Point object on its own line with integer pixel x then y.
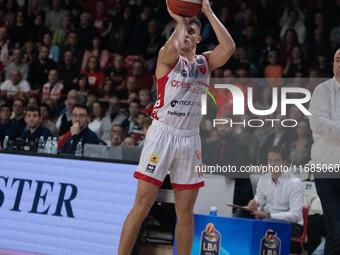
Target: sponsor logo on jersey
{"type": "Point", "coordinates": [270, 244]}
{"type": "Point", "coordinates": [176, 113]}
{"type": "Point", "coordinates": [150, 168]}
{"type": "Point", "coordinates": [186, 103]}
{"type": "Point", "coordinates": [184, 73]}
{"type": "Point", "coordinates": [210, 241]}
{"type": "Point", "coordinates": [199, 61]}
{"type": "Point", "coordinates": [154, 158]}
{"type": "Point", "coordinates": [193, 74]}
{"type": "Point", "coordinates": [198, 154]}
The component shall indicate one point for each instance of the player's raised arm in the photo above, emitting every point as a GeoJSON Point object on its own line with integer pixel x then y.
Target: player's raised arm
{"type": "Point", "coordinates": [220, 55]}
{"type": "Point", "coordinates": [169, 53]}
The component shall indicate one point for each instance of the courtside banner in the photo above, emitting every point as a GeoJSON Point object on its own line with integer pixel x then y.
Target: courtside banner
{"type": "Point", "coordinates": [63, 206]}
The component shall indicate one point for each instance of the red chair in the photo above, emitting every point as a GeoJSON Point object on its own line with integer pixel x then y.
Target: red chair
{"type": "Point", "coordinates": [302, 238]}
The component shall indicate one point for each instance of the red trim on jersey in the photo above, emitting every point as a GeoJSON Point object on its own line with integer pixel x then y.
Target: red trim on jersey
{"type": "Point", "coordinates": [146, 178]}
{"type": "Point", "coordinates": [173, 66]}
{"type": "Point", "coordinates": [206, 58]}
{"type": "Point", "coordinates": [187, 186]}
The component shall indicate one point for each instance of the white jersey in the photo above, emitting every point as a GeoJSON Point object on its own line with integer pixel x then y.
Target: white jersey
{"type": "Point", "coordinates": [180, 92]}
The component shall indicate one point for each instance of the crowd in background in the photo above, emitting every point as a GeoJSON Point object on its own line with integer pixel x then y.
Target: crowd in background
{"type": "Point", "coordinates": [102, 54]}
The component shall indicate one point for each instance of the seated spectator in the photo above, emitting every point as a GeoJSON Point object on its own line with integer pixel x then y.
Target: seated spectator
{"type": "Point", "coordinates": [314, 81]}
{"type": "Point", "coordinates": [18, 121]}
{"type": "Point", "coordinates": [5, 119]}
{"type": "Point", "coordinates": [145, 101]}
{"type": "Point", "coordinates": [28, 52]}
{"type": "Point", "coordinates": [294, 63]}
{"type": "Point", "coordinates": [130, 85]}
{"type": "Point", "coordinates": [293, 23]}
{"type": "Point", "coordinates": [68, 72]}
{"type": "Point", "coordinates": [289, 41]}
{"type": "Point", "coordinates": [86, 30]}
{"type": "Point", "coordinates": [116, 136]}
{"type": "Point", "coordinates": [53, 87]}
{"type": "Point", "coordinates": [45, 119]}
{"type": "Point", "coordinates": [17, 33]}
{"type": "Point", "coordinates": [130, 124]}
{"type": "Point", "coordinates": [73, 46]}
{"type": "Point", "coordinates": [54, 49]}
{"type": "Point", "coordinates": [64, 121]}
{"type": "Point", "coordinates": [60, 34]}
{"type": "Point", "coordinates": [32, 101]}
{"type": "Point", "coordinates": [281, 192]}
{"type": "Point", "coordinates": [144, 78]}
{"type": "Point", "coordinates": [213, 136]}
{"type": "Point", "coordinates": [4, 43]}
{"type": "Point", "coordinates": [94, 73]}
{"type": "Point", "coordinates": [117, 73]}
{"type": "Point", "coordinates": [129, 141]}
{"type": "Point", "coordinates": [145, 126]}
{"type": "Point", "coordinates": [92, 96]}
{"type": "Point", "coordinates": [83, 86]}
{"type": "Point", "coordinates": [15, 85]}
{"type": "Point", "coordinates": [38, 73]}
{"type": "Point", "coordinates": [300, 149]}
{"type": "Point", "coordinates": [79, 130]}
{"type": "Point", "coordinates": [34, 128]}
{"type": "Point", "coordinates": [54, 16]}
{"type": "Point", "coordinates": [96, 118]}
{"type": "Point", "coordinates": [112, 117]}
{"type": "Point", "coordinates": [17, 64]}
{"type": "Point", "coordinates": [102, 20]}
{"type": "Point", "coordinates": [281, 137]}
{"type": "Point", "coordinates": [37, 28]}
{"type": "Point", "coordinates": [98, 51]}
{"type": "Point", "coordinates": [273, 70]}
{"type": "Point", "coordinates": [106, 90]}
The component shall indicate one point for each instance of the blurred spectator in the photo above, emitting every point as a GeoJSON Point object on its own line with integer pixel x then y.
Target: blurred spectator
{"type": "Point", "coordinates": [38, 29]}
{"type": "Point", "coordinates": [294, 63]}
{"type": "Point", "coordinates": [300, 149]}
{"type": "Point", "coordinates": [293, 23]}
{"type": "Point", "coordinates": [270, 44]}
{"type": "Point", "coordinates": [68, 72]}
{"type": "Point", "coordinates": [17, 33]}
{"type": "Point", "coordinates": [40, 67]}
{"type": "Point", "coordinates": [117, 73]}
{"type": "Point", "coordinates": [54, 16]}
{"type": "Point", "coordinates": [314, 81]}
{"type": "Point", "coordinates": [53, 87]}
{"type": "Point", "coordinates": [34, 9]}
{"type": "Point", "coordinates": [94, 73]}
{"type": "Point", "coordinates": [145, 126]}
{"type": "Point", "coordinates": [295, 113]}
{"type": "Point", "coordinates": [83, 85]}
{"type": "Point", "coordinates": [64, 121]}
{"type": "Point", "coordinates": [129, 141]}
{"type": "Point", "coordinates": [60, 34]}
{"type": "Point", "coordinates": [4, 44]}
{"type": "Point", "coordinates": [106, 90]}
{"type": "Point", "coordinates": [146, 104]}
{"type": "Point", "coordinates": [92, 96]}
{"type": "Point", "coordinates": [74, 47]}
{"type": "Point", "coordinates": [11, 8]}
{"type": "Point", "coordinates": [130, 85]}
{"type": "Point", "coordinates": [86, 30]}
{"type": "Point", "coordinates": [265, 99]}
{"type": "Point", "coordinates": [113, 117]}
{"type": "Point", "coordinates": [45, 119]}
{"type": "Point", "coordinates": [248, 138]}
{"type": "Point", "coordinates": [273, 70]}
{"type": "Point", "coordinates": [34, 128]}
{"type": "Point", "coordinates": [53, 107]}
{"type": "Point", "coordinates": [102, 21]}
{"type": "Point", "coordinates": [144, 78]}
{"type": "Point", "coordinates": [323, 65]}
{"type": "Point", "coordinates": [96, 118]}
{"type": "Point", "coordinates": [213, 136]}
{"type": "Point", "coordinates": [289, 41]}
{"type": "Point", "coordinates": [130, 124]}
{"type": "Point", "coordinates": [281, 137]}
{"type": "Point", "coordinates": [5, 119]}
{"type": "Point", "coordinates": [32, 101]}
{"type": "Point", "coordinates": [79, 130]}
{"type": "Point", "coordinates": [116, 135]}
{"type": "Point", "coordinates": [239, 28]}
{"type": "Point", "coordinates": [98, 51]}
{"type": "Point", "coordinates": [293, 5]}
{"type": "Point", "coordinates": [335, 36]}
{"type": "Point", "coordinates": [15, 84]}
{"type": "Point", "coordinates": [29, 52]}
{"type": "Point", "coordinates": [17, 64]}
{"type": "Point", "coordinates": [318, 45]}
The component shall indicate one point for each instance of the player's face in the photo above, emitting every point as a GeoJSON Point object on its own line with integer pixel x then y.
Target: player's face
{"type": "Point", "coordinates": [192, 38]}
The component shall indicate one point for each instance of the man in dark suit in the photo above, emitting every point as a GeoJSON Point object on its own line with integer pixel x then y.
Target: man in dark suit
{"type": "Point", "coordinates": [282, 137]}
{"type": "Point", "coordinates": [229, 150]}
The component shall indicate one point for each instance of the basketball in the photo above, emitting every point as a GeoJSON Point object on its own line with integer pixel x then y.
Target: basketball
{"type": "Point", "coordinates": [210, 229]}
{"type": "Point", "coordinates": [185, 8]}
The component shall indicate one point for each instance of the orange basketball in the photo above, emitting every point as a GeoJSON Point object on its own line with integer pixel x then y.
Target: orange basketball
{"type": "Point", "coordinates": [185, 8]}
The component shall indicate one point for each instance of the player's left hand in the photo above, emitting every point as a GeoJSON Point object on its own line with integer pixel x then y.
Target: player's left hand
{"type": "Point", "coordinates": [259, 215]}
{"type": "Point", "coordinates": [205, 6]}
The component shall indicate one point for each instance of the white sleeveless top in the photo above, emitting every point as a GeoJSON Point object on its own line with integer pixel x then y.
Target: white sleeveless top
{"type": "Point", "coordinates": [180, 92]}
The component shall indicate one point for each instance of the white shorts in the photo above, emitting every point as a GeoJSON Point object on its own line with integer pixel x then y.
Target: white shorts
{"type": "Point", "coordinates": [167, 148]}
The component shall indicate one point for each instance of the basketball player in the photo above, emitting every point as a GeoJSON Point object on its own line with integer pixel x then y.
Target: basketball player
{"type": "Point", "coordinates": [173, 141]}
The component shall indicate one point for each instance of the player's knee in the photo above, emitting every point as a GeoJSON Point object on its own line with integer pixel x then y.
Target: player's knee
{"type": "Point", "coordinates": [142, 208]}
{"type": "Point", "coordinates": [184, 213]}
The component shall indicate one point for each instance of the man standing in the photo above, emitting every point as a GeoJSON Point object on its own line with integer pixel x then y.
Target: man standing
{"type": "Point", "coordinates": [173, 138]}
{"type": "Point", "coordinates": [79, 130]}
{"type": "Point", "coordinates": [325, 124]}
{"type": "Point", "coordinates": [34, 129]}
